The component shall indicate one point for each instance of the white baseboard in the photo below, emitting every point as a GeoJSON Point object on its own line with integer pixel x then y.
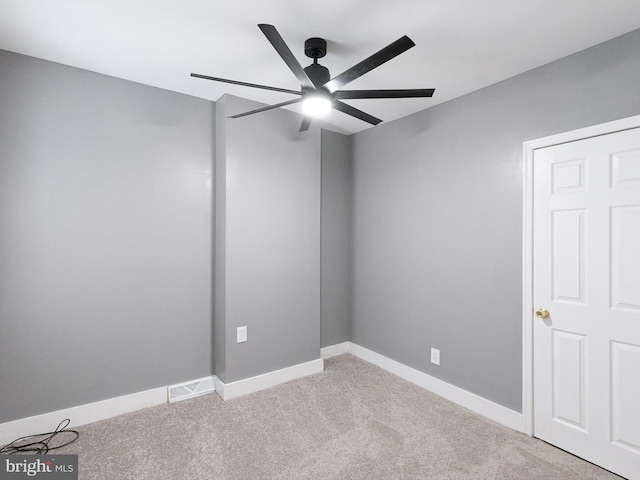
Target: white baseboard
{"type": "Point", "coordinates": [334, 350]}
{"type": "Point", "coordinates": [93, 412]}
{"type": "Point", "coordinates": [228, 391]}
{"type": "Point", "coordinates": [101, 410]}
{"type": "Point", "coordinates": [473, 402]}
{"type": "Point", "coordinates": [82, 414]}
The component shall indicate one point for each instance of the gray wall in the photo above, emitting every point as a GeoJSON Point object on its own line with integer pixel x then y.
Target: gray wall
{"type": "Point", "coordinates": [105, 245]}
{"type": "Point", "coordinates": [438, 216]}
{"type": "Point", "coordinates": [268, 240]}
{"type": "Point", "coordinates": [336, 238]}
{"type": "Point", "coordinates": [105, 238]}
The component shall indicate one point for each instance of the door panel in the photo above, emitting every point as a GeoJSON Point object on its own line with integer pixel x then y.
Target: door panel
{"type": "Point", "coordinates": [625, 168]}
{"type": "Point", "coordinates": [568, 255]}
{"type": "Point", "coordinates": [569, 371]}
{"type": "Point", "coordinates": [586, 225]}
{"type": "Point", "coordinates": [625, 395]}
{"type": "Point", "coordinates": [568, 176]}
{"type": "Point", "coordinates": [625, 256]}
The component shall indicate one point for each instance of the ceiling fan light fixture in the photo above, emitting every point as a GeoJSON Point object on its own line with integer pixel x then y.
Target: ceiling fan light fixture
{"type": "Point", "coordinates": [316, 105]}
{"type": "Point", "coordinates": [319, 93]}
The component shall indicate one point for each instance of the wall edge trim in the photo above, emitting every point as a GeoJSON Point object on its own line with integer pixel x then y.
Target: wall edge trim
{"type": "Point", "coordinates": [82, 414]}
{"type": "Point", "coordinates": [480, 405]}
{"type": "Point", "coordinates": [335, 350]}
{"type": "Point", "coordinates": [228, 391]}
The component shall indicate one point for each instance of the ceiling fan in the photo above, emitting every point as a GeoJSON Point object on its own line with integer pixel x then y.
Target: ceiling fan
{"type": "Point", "coordinates": [319, 92]}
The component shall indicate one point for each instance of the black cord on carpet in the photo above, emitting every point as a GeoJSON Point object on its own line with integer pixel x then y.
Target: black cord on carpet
{"type": "Point", "coordinates": [39, 444]}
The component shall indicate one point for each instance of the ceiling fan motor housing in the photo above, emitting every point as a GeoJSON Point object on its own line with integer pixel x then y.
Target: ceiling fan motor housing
{"type": "Point", "coordinates": [315, 47]}
{"type": "Point", "coordinates": [318, 74]}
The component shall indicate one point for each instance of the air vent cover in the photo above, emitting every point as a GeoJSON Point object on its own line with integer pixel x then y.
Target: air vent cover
{"type": "Point", "coordinates": [191, 389]}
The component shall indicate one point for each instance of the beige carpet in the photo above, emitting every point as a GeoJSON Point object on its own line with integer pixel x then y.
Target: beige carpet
{"type": "Point", "coordinates": [353, 421]}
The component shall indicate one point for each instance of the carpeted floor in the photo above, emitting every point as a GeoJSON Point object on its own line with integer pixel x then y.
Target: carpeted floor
{"type": "Point", "coordinates": [353, 421]}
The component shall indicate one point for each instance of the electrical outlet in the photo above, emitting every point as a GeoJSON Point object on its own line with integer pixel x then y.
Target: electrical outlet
{"type": "Point", "coordinates": [242, 334]}
{"type": "Point", "coordinates": [435, 356]}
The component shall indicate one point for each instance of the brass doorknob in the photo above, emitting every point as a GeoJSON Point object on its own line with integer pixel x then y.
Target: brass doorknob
{"type": "Point", "coordinates": [542, 313]}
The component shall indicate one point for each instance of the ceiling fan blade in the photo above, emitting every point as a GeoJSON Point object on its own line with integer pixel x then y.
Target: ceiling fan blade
{"type": "Point", "coordinates": [278, 43]}
{"type": "Point", "coordinates": [264, 109]}
{"type": "Point", "coordinates": [354, 112]}
{"type": "Point", "coordinates": [412, 93]}
{"type": "Point", "coordinates": [387, 53]}
{"type": "Point", "coordinates": [306, 123]}
{"type": "Point", "coordinates": [245, 84]}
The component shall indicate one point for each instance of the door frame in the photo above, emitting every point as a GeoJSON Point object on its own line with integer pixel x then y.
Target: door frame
{"type": "Point", "coordinates": [529, 148]}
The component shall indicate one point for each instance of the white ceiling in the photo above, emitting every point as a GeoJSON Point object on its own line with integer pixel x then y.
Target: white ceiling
{"type": "Point", "coordinates": [461, 45]}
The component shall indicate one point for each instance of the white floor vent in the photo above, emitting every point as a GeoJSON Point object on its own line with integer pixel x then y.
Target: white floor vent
{"type": "Point", "coordinates": [191, 389]}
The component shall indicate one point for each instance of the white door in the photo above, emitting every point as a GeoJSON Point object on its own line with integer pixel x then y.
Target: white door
{"type": "Point", "coordinates": [586, 225]}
